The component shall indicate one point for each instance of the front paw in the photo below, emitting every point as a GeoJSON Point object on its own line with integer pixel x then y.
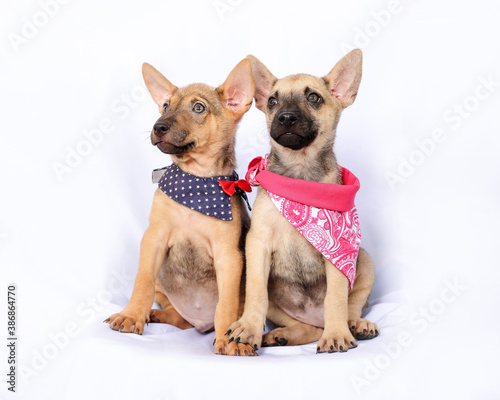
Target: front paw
{"type": "Point", "coordinates": [231, 348]}
{"type": "Point", "coordinates": [244, 332]}
{"type": "Point", "coordinates": [336, 342]}
{"type": "Point", "coordinates": [362, 329]}
{"type": "Point", "coordinates": [128, 322]}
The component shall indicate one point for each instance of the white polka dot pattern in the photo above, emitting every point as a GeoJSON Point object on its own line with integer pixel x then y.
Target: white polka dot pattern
{"type": "Point", "coordinates": [204, 195]}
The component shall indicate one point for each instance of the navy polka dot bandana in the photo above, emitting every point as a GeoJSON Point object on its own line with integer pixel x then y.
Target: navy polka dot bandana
{"type": "Point", "coordinates": [210, 196]}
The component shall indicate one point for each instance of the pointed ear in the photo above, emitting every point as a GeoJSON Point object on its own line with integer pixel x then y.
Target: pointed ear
{"type": "Point", "coordinates": [237, 91]}
{"type": "Point", "coordinates": [160, 88]}
{"type": "Point", "coordinates": [264, 82]}
{"type": "Point", "coordinates": [343, 80]}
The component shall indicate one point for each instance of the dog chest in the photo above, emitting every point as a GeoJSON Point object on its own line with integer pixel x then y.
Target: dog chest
{"type": "Point", "coordinates": [188, 278]}
{"type": "Point", "coordinates": [297, 279]}
{"type": "Point", "coordinates": [187, 264]}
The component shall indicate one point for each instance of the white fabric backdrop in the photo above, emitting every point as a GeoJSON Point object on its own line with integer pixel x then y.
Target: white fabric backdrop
{"type": "Point", "coordinates": [422, 136]}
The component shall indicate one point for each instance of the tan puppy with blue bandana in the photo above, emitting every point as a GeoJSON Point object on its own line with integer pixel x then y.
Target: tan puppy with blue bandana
{"type": "Point", "coordinates": [191, 262]}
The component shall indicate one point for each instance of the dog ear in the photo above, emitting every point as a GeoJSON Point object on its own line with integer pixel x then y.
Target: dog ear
{"type": "Point", "coordinates": [237, 91]}
{"type": "Point", "coordinates": [264, 82]}
{"type": "Point", "coordinates": [160, 88]}
{"type": "Point", "coordinates": [343, 80]}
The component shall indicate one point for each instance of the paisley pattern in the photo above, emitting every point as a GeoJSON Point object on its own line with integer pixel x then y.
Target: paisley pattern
{"type": "Point", "coordinates": [296, 214]}
{"type": "Point", "coordinates": [256, 165]}
{"type": "Point", "coordinates": [335, 235]}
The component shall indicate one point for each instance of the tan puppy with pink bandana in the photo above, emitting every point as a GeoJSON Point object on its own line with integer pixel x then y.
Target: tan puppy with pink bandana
{"type": "Point", "coordinates": [305, 269]}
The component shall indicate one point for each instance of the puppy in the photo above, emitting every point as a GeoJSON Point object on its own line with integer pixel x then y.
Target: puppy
{"type": "Point", "coordinates": [303, 267]}
{"type": "Point", "coordinates": [191, 257]}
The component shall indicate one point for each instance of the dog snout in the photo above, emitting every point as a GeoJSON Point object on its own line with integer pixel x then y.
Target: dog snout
{"type": "Point", "coordinates": [161, 128]}
{"type": "Point", "coordinates": [287, 118]}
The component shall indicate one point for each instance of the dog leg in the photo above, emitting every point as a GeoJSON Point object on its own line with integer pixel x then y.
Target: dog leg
{"type": "Point", "coordinates": [248, 329]}
{"type": "Point", "coordinates": [358, 298]}
{"type": "Point", "coordinates": [168, 314]}
{"type": "Point", "coordinates": [291, 331]}
{"type": "Point", "coordinates": [336, 335]}
{"type": "Point", "coordinates": [153, 250]}
{"type": "Point", "coordinates": [229, 268]}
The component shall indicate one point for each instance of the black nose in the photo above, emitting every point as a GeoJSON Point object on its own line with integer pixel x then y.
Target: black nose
{"type": "Point", "coordinates": [161, 128]}
{"type": "Point", "coordinates": [287, 118]}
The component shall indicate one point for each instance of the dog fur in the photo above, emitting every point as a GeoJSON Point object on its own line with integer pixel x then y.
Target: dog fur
{"type": "Point", "coordinates": [191, 263]}
{"type": "Point", "coordinates": [287, 278]}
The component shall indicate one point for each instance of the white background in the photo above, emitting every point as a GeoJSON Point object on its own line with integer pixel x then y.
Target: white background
{"type": "Point", "coordinates": [70, 242]}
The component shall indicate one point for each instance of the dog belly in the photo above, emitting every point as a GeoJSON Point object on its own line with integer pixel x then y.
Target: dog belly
{"type": "Point", "coordinates": [189, 281]}
{"type": "Point", "coordinates": [310, 313]}
{"type": "Point", "coordinates": [297, 280]}
{"type": "Point", "coordinates": [195, 309]}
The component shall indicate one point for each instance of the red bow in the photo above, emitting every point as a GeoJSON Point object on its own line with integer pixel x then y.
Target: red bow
{"type": "Point", "coordinates": [229, 187]}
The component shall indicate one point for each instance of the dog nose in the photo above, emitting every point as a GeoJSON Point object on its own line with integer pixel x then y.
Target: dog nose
{"type": "Point", "coordinates": [287, 118]}
{"type": "Point", "coordinates": [161, 128]}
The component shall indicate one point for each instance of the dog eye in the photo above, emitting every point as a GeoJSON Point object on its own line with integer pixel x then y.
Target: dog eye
{"type": "Point", "coordinates": [198, 108]}
{"type": "Point", "coordinates": [313, 98]}
{"type": "Point", "coordinates": [272, 102]}
{"type": "Point", "coordinates": [165, 108]}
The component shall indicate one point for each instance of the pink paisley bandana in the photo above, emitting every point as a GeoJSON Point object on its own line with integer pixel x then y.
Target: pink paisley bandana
{"type": "Point", "coordinates": [323, 213]}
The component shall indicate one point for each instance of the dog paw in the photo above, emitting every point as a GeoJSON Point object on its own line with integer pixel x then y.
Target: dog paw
{"type": "Point", "coordinates": [338, 342]}
{"type": "Point", "coordinates": [277, 337]}
{"type": "Point", "coordinates": [362, 329]}
{"type": "Point", "coordinates": [128, 322]}
{"type": "Point", "coordinates": [156, 316]}
{"type": "Point", "coordinates": [243, 332]}
{"type": "Point", "coordinates": [224, 347]}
